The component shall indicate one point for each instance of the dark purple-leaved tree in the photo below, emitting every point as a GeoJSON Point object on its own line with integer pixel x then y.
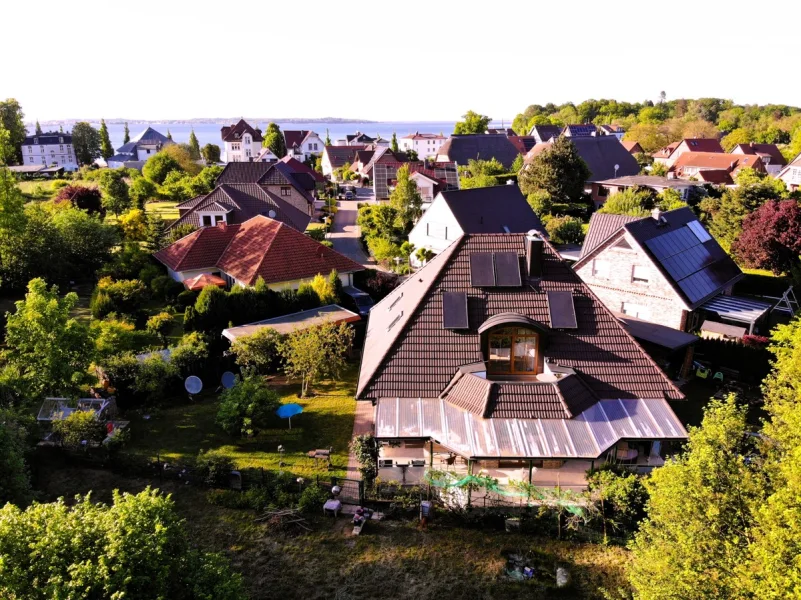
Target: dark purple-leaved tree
{"type": "Point", "coordinates": [771, 237]}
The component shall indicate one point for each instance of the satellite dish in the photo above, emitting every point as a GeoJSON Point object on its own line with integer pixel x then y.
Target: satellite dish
{"type": "Point", "coordinates": [193, 384]}
{"type": "Point", "coordinates": [228, 380]}
{"type": "Point", "coordinates": [271, 214]}
{"type": "Point", "coordinates": [617, 167]}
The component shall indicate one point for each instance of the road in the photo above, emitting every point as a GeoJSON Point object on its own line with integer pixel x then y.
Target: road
{"type": "Point", "coordinates": [345, 233]}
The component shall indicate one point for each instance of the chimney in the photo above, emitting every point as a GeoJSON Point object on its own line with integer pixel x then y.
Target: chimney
{"type": "Point", "coordinates": [656, 213]}
{"type": "Point", "coordinates": [222, 225]}
{"type": "Point", "coordinates": [534, 246]}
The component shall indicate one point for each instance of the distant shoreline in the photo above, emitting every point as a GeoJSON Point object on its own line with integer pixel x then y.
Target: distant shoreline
{"type": "Point", "coordinates": [120, 121]}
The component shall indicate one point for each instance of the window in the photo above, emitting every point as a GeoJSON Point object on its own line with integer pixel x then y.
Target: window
{"type": "Point", "coordinates": [235, 147]}
{"type": "Point", "coordinates": [601, 268]}
{"type": "Point", "coordinates": [640, 274]}
{"type": "Point", "coordinates": [218, 218]}
{"type": "Point", "coordinates": [31, 158]}
{"type": "Point", "coordinates": [286, 191]}
{"type": "Point", "coordinates": [603, 191]}
{"type": "Point", "coordinates": [206, 220]}
{"type": "Point", "coordinates": [436, 230]}
{"type": "Point", "coordinates": [247, 152]}
{"type": "Point", "coordinates": [61, 148]}
{"type": "Point", "coordinates": [30, 149]}
{"type": "Point", "coordinates": [246, 139]}
{"type": "Point", "coordinates": [513, 351]}
{"type": "Point", "coordinates": [635, 310]}
{"type": "Point", "coordinates": [35, 141]}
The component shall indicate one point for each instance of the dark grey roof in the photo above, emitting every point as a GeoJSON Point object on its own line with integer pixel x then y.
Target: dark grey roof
{"type": "Point", "coordinates": [122, 157]}
{"type": "Point", "coordinates": [543, 133]}
{"type": "Point", "coordinates": [602, 153]}
{"type": "Point", "coordinates": [243, 172]}
{"type": "Point", "coordinates": [339, 155]}
{"type": "Point", "coordinates": [602, 226]}
{"type": "Point", "coordinates": [690, 259]}
{"type": "Point", "coordinates": [667, 337]}
{"type": "Point", "coordinates": [484, 146]}
{"type": "Point", "coordinates": [48, 138]}
{"type": "Point", "coordinates": [498, 209]}
{"type": "Point", "coordinates": [151, 136]}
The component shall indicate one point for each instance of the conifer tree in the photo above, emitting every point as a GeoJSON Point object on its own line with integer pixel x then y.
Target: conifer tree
{"type": "Point", "coordinates": [126, 134]}
{"type": "Point", "coordinates": [194, 146]}
{"type": "Point", "coordinates": [38, 128]}
{"type": "Point", "coordinates": [106, 150]}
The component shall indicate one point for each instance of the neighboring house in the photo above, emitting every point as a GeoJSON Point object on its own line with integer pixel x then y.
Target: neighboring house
{"type": "Point", "coordinates": [605, 156]}
{"type": "Point", "coordinates": [244, 190]}
{"type": "Point", "coordinates": [426, 145]}
{"type": "Point", "coordinates": [383, 156]}
{"type": "Point", "coordinates": [361, 159]}
{"type": "Point", "coordinates": [431, 179]}
{"type": "Point", "coordinates": [633, 147]}
{"type": "Point", "coordinates": [664, 269]}
{"type": "Point", "coordinates": [242, 142]}
{"type": "Point", "coordinates": [335, 157]}
{"type": "Point", "coordinates": [713, 167]}
{"type": "Point", "coordinates": [51, 149]}
{"type": "Point", "coordinates": [299, 167]}
{"type": "Point", "coordinates": [135, 153]}
{"type": "Point", "coordinates": [260, 247]}
{"type": "Point", "coordinates": [497, 353]}
{"type": "Point", "coordinates": [671, 153]}
{"type": "Point", "coordinates": [503, 130]}
{"type": "Point", "coordinates": [483, 146]}
{"type": "Point", "coordinates": [577, 131]}
{"type": "Point", "coordinates": [303, 144]}
{"type": "Point", "coordinates": [791, 174]}
{"type": "Point", "coordinates": [614, 130]}
{"type": "Point", "coordinates": [361, 139]}
{"type": "Point", "coordinates": [523, 143]}
{"type": "Point", "coordinates": [544, 133]}
{"type": "Point", "coordinates": [771, 156]}
{"type": "Point", "coordinates": [601, 190]}
{"type": "Point", "coordinates": [498, 209]}
{"type": "Point", "coordinates": [265, 155]}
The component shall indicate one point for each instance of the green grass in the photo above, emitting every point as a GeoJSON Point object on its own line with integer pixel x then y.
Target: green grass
{"type": "Point", "coordinates": [36, 190]}
{"type": "Point", "coordinates": [167, 210]}
{"type": "Point", "coordinates": [178, 432]}
{"type": "Point", "coordinates": [391, 559]}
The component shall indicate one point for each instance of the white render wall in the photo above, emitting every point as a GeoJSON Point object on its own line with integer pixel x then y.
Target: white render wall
{"type": "Point", "coordinates": [62, 155]}
{"type": "Point", "coordinates": [425, 148]}
{"type": "Point", "coordinates": [436, 230]}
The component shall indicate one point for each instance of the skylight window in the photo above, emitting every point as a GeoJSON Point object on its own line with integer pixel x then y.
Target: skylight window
{"type": "Point", "coordinates": [699, 231]}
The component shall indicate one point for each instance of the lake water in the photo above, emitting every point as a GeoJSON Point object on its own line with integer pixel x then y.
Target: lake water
{"type": "Point", "coordinates": [210, 132]}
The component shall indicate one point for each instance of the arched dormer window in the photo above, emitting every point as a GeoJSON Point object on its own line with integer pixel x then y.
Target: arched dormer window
{"type": "Point", "coordinates": [512, 345]}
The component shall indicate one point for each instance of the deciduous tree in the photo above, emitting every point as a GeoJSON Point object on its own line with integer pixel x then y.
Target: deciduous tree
{"type": "Point", "coordinates": [82, 196]}
{"type": "Point", "coordinates": [631, 202]}
{"type": "Point", "coordinates": [472, 123]}
{"type": "Point", "coordinates": [258, 352]}
{"type": "Point", "coordinates": [159, 166]}
{"type": "Point", "coordinates": [115, 191]}
{"type": "Point", "coordinates": [565, 230]}
{"type": "Point", "coordinates": [274, 140]}
{"type": "Point", "coordinates": [406, 200]}
{"type": "Point", "coordinates": [315, 353]}
{"type": "Point", "coordinates": [12, 119]}
{"type": "Point", "coordinates": [558, 170]}
{"type": "Point", "coordinates": [771, 237]}
{"type": "Point", "coordinates": [85, 142]}
{"type": "Point", "coordinates": [211, 153]}
{"type": "Point", "coordinates": [246, 407]}
{"type": "Point", "coordinates": [141, 190]}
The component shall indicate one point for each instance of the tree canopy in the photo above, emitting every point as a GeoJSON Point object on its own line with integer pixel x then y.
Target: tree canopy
{"type": "Point", "coordinates": [472, 122]}
{"type": "Point", "coordinates": [106, 149]}
{"type": "Point", "coordinates": [406, 200]}
{"type": "Point", "coordinates": [12, 120]}
{"type": "Point", "coordinates": [559, 170]}
{"type": "Point", "coordinates": [194, 146]}
{"type": "Point", "coordinates": [316, 352]}
{"type": "Point", "coordinates": [86, 143]}
{"type": "Point", "coordinates": [771, 237]}
{"type": "Point", "coordinates": [274, 140]}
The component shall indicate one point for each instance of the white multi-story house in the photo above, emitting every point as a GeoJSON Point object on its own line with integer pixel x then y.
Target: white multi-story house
{"type": "Point", "coordinates": [242, 142]}
{"type": "Point", "coordinates": [424, 144]}
{"type": "Point", "coordinates": [53, 148]}
{"type": "Point", "coordinates": [302, 144]}
{"type": "Point", "coordinates": [791, 174]}
{"type": "Point", "coordinates": [135, 153]}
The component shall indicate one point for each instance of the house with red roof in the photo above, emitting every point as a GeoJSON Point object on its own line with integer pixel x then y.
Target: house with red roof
{"type": "Point", "coordinates": [633, 147]}
{"type": "Point", "coordinates": [713, 167]}
{"type": "Point", "coordinates": [259, 248]}
{"type": "Point", "coordinates": [242, 143]}
{"type": "Point", "coordinates": [302, 143]}
{"type": "Point", "coordinates": [670, 154]}
{"type": "Point", "coordinates": [770, 154]}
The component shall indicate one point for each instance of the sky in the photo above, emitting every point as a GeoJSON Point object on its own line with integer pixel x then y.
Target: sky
{"type": "Point", "coordinates": [386, 61]}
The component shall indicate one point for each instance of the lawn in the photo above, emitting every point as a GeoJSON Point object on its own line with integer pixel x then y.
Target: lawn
{"type": "Point", "coordinates": [36, 190]}
{"type": "Point", "coordinates": [167, 210]}
{"type": "Point", "coordinates": [391, 559]}
{"type": "Point", "coordinates": [178, 432]}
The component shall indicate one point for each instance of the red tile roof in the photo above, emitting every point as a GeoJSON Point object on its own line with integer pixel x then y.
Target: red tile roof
{"type": "Point", "coordinates": [259, 247]}
{"type": "Point", "coordinates": [633, 147]}
{"type": "Point", "coordinates": [717, 160]}
{"type": "Point", "coordinates": [299, 167]}
{"type": "Point", "coordinates": [666, 151]}
{"type": "Point", "coordinates": [770, 150]}
{"type": "Point", "coordinates": [295, 137]}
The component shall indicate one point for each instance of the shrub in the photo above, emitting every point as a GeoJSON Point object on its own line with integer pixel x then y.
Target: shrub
{"type": "Point", "coordinates": [565, 230]}
{"type": "Point", "coordinates": [214, 468]}
{"type": "Point", "coordinates": [258, 352]}
{"type": "Point", "coordinates": [318, 235]}
{"type": "Point", "coordinates": [166, 288]}
{"type": "Point", "coordinates": [133, 224]}
{"type": "Point", "coordinates": [246, 407]}
{"type": "Point", "coordinates": [101, 304]}
{"type": "Point", "coordinates": [121, 371]}
{"type": "Point", "coordinates": [127, 263]}
{"type": "Point", "coordinates": [186, 298]}
{"type": "Point", "coordinates": [191, 353]}
{"type": "Point", "coordinates": [149, 273]}
{"type": "Point", "coordinates": [540, 202]}
{"type": "Point", "coordinates": [312, 499]}
{"type": "Point", "coordinates": [159, 324]}
{"type": "Point", "coordinates": [154, 378]}
{"type": "Point", "coordinates": [376, 283]}
{"type": "Point", "coordinates": [126, 296]}
{"type": "Point", "coordinates": [79, 427]}
{"type": "Point", "coordinates": [365, 449]}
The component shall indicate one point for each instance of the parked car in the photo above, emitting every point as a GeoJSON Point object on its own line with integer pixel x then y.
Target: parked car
{"type": "Point", "coordinates": [348, 195]}
{"type": "Point", "coordinates": [357, 300]}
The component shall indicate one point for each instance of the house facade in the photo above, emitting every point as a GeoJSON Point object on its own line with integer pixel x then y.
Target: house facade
{"type": "Point", "coordinates": [302, 144]}
{"type": "Point", "coordinates": [670, 154]}
{"type": "Point", "coordinates": [335, 157]}
{"type": "Point", "coordinates": [771, 156]}
{"type": "Point", "coordinates": [713, 167]}
{"type": "Point", "coordinates": [425, 145]}
{"type": "Point", "coordinates": [601, 190]}
{"type": "Point", "coordinates": [242, 143]}
{"type": "Point", "coordinates": [661, 269]}
{"type": "Point", "coordinates": [474, 366]}
{"type": "Point", "coordinates": [50, 149]}
{"type": "Point", "coordinates": [791, 174]}
{"type": "Point", "coordinates": [135, 153]}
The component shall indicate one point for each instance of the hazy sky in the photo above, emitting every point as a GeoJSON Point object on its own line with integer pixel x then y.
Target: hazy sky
{"type": "Point", "coordinates": [411, 60]}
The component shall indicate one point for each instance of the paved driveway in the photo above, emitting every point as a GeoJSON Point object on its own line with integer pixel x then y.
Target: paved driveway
{"type": "Point", "coordinates": [345, 233]}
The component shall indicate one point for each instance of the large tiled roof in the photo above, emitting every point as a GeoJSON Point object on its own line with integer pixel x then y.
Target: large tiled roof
{"type": "Point", "coordinates": [243, 172]}
{"type": "Point", "coordinates": [697, 270]}
{"type": "Point", "coordinates": [408, 353]}
{"type": "Point", "coordinates": [299, 167]}
{"type": "Point", "coordinates": [497, 209]}
{"type": "Point", "coordinates": [260, 247]}
{"type": "Point", "coordinates": [151, 136]}
{"type": "Point", "coordinates": [242, 201]}
{"type": "Point", "coordinates": [295, 137]}
{"type": "Point", "coordinates": [716, 160]}
{"type": "Point", "coordinates": [234, 133]}
{"type": "Point", "coordinates": [48, 138]}
{"type": "Point", "coordinates": [601, 153]}
{"type": "Point", "coordinates": [770, 150]}
{"type": "Point", "coordinates": [483, 146]}
{"type": "Point", "coordinates": [339, 155]}
{"type": "Point", "coordinates": [543, 133]}
{"type": "Point", "coordinates": [275, 173]}
{"type": "Point", "coordinates": [602, 226]}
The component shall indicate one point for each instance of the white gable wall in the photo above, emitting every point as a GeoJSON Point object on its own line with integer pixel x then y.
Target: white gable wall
{"type": "Point", "coordinates": [436, 230]}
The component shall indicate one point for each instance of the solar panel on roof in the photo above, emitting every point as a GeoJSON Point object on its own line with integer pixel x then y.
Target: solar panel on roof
{"type": "Point", "coordinates": [562, 310]}
{"type": "Point", "coordinates": [507, 269]}
{"type": "Point", "coordinates": [454, 310]}
{"type": "Point", "coordinates": [699, 231]}
{"type": "Point", "coordinates": [482, 272]}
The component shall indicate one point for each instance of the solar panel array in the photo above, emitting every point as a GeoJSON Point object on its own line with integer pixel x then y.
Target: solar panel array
{"type": "Point", "coordinates": [691, 265]}
{"type": "Point", "coordinates": [449, 174]}
{"type": "Point", "coordinates": [382, 174]}
{"type": "Point", "coordinates": [699, 231]}
{"type": "Point", "coordinates": [454, 310]}
{"type": "Point", "coordinates": [482, 273]}
{"type": "Point", "coordinates": [562, 310]}
{"type": "Point", "coordinates": [507, 269]}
